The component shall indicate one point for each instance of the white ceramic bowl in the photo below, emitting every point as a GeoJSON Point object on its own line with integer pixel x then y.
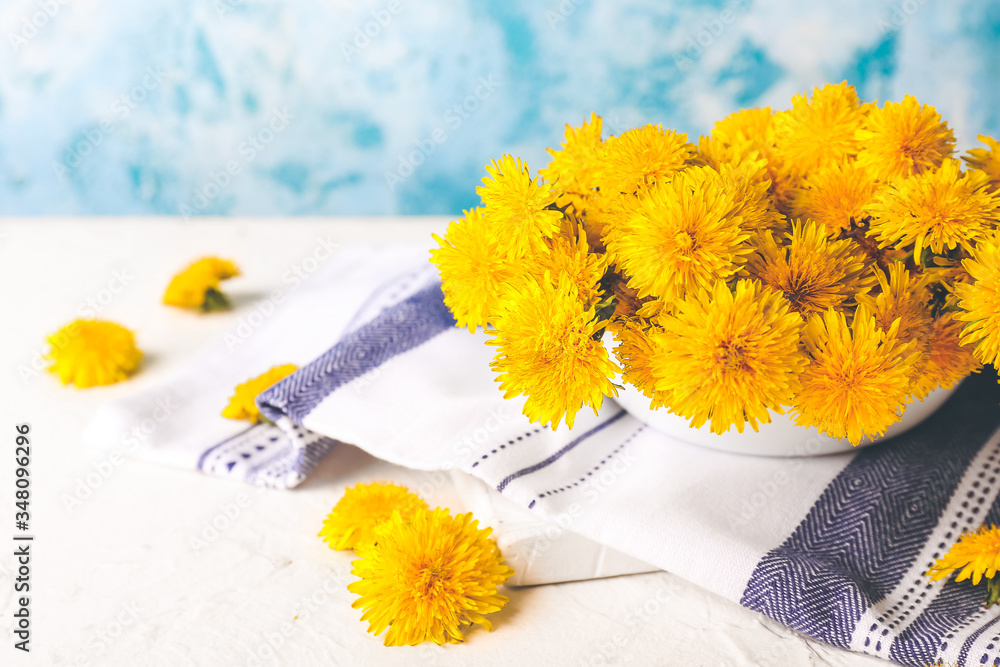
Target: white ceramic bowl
{"type": "Point", "coordinates": [782, 437]}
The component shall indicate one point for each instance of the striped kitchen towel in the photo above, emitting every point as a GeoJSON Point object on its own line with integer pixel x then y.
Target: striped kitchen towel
{"type": "Point", "coordinates": [832, 546]}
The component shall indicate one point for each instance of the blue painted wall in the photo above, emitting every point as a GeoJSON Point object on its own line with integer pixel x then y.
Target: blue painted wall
{"type": "Point", "coordinates": [268, 107]}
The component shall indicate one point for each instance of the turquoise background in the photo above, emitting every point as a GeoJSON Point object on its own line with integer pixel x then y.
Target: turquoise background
{"type": "Point", "coordinates": [115, 107]}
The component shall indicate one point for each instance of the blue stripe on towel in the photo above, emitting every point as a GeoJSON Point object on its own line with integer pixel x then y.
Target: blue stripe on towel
{"type": "Point", "coordinates": [207, 452]}
{"type": "Point", "coordinates": [552, 459]}
{"type": "Point", "coordinates": [872, 520]}
{"type": "Point", "coordinates": [398, 329]}
{"type": "Point", "coordinates": [967, 646]}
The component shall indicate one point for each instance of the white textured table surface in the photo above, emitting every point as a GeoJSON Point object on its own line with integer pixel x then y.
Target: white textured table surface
{"type": "Point", "coordinates": [133, 574]}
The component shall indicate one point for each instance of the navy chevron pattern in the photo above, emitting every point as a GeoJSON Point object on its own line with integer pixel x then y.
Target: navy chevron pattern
{"type": "Point", "coordinates": [919, 643]}
{"type": "Point", "coordinates": [955, 606]}
{"type": "Point", "coordinates": [396, 330]}
{"type": "Point", "coordinates": [869, 524]}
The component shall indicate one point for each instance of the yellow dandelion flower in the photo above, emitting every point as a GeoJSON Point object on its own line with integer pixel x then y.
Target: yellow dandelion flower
{"type": "Point", "coordinates": [975, 555]}
{"type": "Point", "coordinates": [729, 357]}
{"type": "Point", "coordinates": [858, 379]}
{"type": "Point", "coordinates": [903, 139]}
{"type": "Point", "coordinates": [753, 125]}
{"type": "Point", "coordinates": [550, 351]}
{"type": "Point", "coordinates": [749, 135]}
{"type": "Point", "coordinates": [642, 157]}
{"type": "Point", "coordinates": [474, 270]}
{"type": "Point", "coordinates": [715, 153]}
{"type": "Point", "coordinates": [903, 302]}
{"type": "Point", "coordinates": [589, 220]}
{"type": "Point", "coordinates": [979, 301]}
{"type": "Point", "coordinates": [604, 215]}
{"type": "Point", "coordinates": [197, 286]}
{"type": "Point", "coordinates": [819, 131]}
{"type": "Point", "coordinates": [634, 353]}
{"type": "Point", "coordinates": [626, 300]}
{"type": "Point", "coordinates": [813, 272]}
{"type": "Point", "coordinates": [569, 256]}
{"type": "Point", "coordinates": [834, 196]}
{"type": "Point", "coordinates": [651, 309]}
{"type": "Point", "coordinates": [987, 161]}
{"type": "Point", "coordinates": [352, 521]}
{"type": "Point", "coordinates": [517, 207]}
{"type": "Point", "coordinates": [785, 180]}
{"type": "Point", "coordinates": [574, 169]}
{"type": "Point", "coordinates": [429, 575]}
{"type": "Point", "coordinates": [93, 352]}
{"type": "Point", "coordinates": [242, 403]}
{"type": "Point", "coordinates": [678, 235]}
{"type": "Point", "coordinates": [948, 361]}
{"type": "Point", "coordinates": [903, 296]}
{"type": "Point", "coordinates": [946, 272]}
{"type": "Point", "coordinates": [748, 186]}
{"type": "Point", "coordinates": [937, 209]}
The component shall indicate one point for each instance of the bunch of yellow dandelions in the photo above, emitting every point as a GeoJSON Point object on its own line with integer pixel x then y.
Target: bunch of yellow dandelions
{"type": "Point", "coordinates": [424, 574]}
{"type": "Point", "coordinates": [833, 259]}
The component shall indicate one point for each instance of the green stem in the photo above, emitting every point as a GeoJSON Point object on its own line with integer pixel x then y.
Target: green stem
{"type": "Point", "coordinates": [214, 301]}
{"type": "Point", "coordinates": [992, 592]}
